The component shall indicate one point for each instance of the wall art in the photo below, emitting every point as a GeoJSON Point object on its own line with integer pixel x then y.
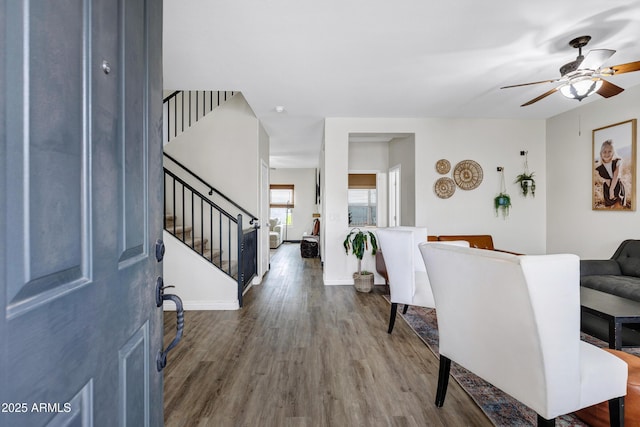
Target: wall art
{"type": "Point", "coordinates": [614, 167]}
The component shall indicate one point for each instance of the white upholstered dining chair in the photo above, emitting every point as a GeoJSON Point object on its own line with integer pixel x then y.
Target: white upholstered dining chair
{"type": "Point", "coordinates": [408, 281]}
{"type": "Point", "coordinates": [515, 322]}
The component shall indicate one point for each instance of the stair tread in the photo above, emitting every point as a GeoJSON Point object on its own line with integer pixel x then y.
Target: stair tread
{"type": "Point", "coordinates": [200, 245]}
{"type": "Point", "coordinates": [180, 228]}
{"type": "Point", "coordinates": [196, 241]}
{"type": "Point", "coordinates": [212, 256]}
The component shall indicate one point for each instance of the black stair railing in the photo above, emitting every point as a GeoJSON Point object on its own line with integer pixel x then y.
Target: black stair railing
{"type": "Point", "coordinates": [183, 108]}
{"type": "Point", "coordinates": [247, 262]}
{"type": "Point", "coordinates": [209, 229]}
{"type": "Point", "coordinates": [210, 189]}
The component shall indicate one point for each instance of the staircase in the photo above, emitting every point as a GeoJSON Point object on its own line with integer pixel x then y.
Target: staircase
{"type": "Point", "coordinates": [201, 246]}
{"type": "Point", "coordinates": [196, 213]}
{"type": "Point", "coordinates": [183, 108]}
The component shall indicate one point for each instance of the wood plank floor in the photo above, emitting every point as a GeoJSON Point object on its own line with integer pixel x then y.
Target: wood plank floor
{"type": "Point", "coordinates": [303, 354]}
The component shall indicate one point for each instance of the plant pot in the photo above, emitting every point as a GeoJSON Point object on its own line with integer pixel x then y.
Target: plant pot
{"type": "Point", "coordinates": [503, 201]}
{"type": "Point", "coordinates": [363, 282]}
{"type": "Point", "coordinates": [528, 186]}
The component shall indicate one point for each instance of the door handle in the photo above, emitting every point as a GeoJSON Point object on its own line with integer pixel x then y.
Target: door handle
{"type": "Point", "coordinates": [161, 359]}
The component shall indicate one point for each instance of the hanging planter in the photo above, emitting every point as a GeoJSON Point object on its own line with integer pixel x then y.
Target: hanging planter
{"type": "Point", "coordinates": [502, 202]}
{"type": "Point", "coordinates": [527, 184]}
{"type": "Point", "coordinates": [525, 179]}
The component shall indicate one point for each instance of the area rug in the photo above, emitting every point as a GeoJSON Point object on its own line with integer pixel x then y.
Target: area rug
{"type": "Point", "coordinates": [500, 408]}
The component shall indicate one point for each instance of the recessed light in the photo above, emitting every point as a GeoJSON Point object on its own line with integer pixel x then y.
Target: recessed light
{"type": "Point", "coordinates": [279, 108]}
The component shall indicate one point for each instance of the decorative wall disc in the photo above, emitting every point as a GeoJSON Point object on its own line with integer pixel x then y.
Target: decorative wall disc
{"type": "Point", "coordinates": [443, 166]}
{"type": "Point", "coordinates": [467, 174]}
{"type": "Point", "coordinates": [444, 188]}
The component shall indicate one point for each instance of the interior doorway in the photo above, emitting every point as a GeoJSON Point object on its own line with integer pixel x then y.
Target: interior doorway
{"type": "Point", "coordinates": [392, 154]}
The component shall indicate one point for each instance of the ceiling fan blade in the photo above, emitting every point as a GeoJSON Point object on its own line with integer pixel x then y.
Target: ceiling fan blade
{"type": "Point", "coordinates": [608, 90]}
{"type": "Point", "coordinates": [544, 95]}
{"type": "Point", "coordinates": [595, 58]}
{"type": "Point", "coordinates": [528, 84]}
{"type": "Point", "coordinates": [622, 68]}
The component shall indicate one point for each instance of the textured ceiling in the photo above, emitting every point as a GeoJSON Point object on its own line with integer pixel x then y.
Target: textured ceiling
{"type": "Point", "coordinates": [381, 58]}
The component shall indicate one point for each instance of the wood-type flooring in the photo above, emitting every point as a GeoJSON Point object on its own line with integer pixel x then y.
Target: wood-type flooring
{"type": "Point", "coordinates": [303, 354]}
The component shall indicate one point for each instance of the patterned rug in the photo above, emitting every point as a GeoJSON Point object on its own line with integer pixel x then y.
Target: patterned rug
{"type": "Point", "coordinates": [499, 407]}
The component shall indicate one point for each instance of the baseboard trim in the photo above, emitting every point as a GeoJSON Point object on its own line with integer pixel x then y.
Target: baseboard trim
{"type": "Point", "coordinates": [338, 282]}
{"type": "Point", "coordinates": [349, 282]}
{"type": "Point", "coordinates": [202, 305]}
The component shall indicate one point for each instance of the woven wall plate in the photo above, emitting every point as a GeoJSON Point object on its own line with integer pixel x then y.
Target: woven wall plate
{"type": "Point", "coordinates": [444, 188]}
{"type": "Point", "coordinates": [467, 174]}
{"type": "Point", "coordinates": [443, 166]}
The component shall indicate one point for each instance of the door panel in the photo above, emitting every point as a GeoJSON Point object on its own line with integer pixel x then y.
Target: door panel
{"type": "Point", "coordinates": [132, 93]}
{"type": "Point", "coordinates": [81, 196]}
{"type": "Point", "coordinates": [57, 143]}
{"type": "Point", "coordinates": [134, 372]}
{"type": "Point", "coordinates": [57, 150]}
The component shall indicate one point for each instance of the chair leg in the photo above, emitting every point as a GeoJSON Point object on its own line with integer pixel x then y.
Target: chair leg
{"type": "Point", "coordinates": [616, 412]}
{"type": "Point", "coordinates": [443, 380]}
{"type": "Point", "coordinates": [404, 310]}
{"type": "Point", "coordinates": [392, 319]}
{"type": "Point", "coordinates": [543, 422]}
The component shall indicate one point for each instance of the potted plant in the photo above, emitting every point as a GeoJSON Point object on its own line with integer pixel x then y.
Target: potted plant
{"type": "Point", "coordinates": [358, 242]}
{"type": "Point", "coordinates": [502, 203]}
{"type": "Point", "coordinates": [527, 183]}
{"type": "Point", "coordinates": [525, 179]}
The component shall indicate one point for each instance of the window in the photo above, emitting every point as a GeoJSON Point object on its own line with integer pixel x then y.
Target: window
{"type": "Point", "coordinates": [363, 200]}
{"type": "Point", "coordinates": [281, 202]}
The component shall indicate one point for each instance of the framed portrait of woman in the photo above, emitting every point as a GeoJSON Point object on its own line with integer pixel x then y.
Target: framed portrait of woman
{"type": "Point", "coordinates": [614, 167]}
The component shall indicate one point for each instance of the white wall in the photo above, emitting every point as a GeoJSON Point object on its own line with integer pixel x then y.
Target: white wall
{"type": "Point", "coordinates": [304, 181]}
{"type": "Point", "coordinates": [323, 190]}
{"type": "Point", "coordinates": [491, 143]}
{"type": "Point", "coordinates": [199, 284]}
{"type": "Point", "coordinates": [369, 156]}
{"type": "Point", "coordinates": [572, 226]}
{"type": "Point", "coordinates": [402, 152]}
{"type": "Point", "coordinates": [224, 149]}
{"type": "Point", "coordinates": [263, 234]}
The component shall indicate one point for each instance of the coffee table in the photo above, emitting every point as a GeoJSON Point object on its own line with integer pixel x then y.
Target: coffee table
{"type": "Point", "coordinates": [615, 310]}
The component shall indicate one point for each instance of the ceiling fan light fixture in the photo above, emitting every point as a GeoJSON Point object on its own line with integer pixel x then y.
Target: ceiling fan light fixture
{"type": "Point", "coordinates": [581, 89]}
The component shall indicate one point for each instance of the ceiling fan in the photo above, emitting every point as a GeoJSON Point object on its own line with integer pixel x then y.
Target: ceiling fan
{"type": "Point", "coordinates": [584, 76]}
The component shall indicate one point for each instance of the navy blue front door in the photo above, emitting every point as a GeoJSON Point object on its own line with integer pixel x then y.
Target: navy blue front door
{"type": "Point", "coordinates": [81, 88]}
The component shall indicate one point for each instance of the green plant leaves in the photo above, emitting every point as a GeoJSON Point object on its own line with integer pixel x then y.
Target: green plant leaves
{"type": "Point", "coordinates": [358, 241]}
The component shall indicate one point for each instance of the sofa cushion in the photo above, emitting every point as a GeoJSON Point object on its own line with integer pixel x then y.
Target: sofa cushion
{"type": "Point", "coordinates": [623, 286]}
{"type": "Point", "coordinates": [600, 267]}
{"type": "Point", "coordinates": [630, 266]}
{"type": "Point", "coordinates": [628, 256]}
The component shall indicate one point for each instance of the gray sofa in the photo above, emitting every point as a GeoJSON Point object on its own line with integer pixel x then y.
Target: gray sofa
{"type": "Point", "coordinates": [619, 275]}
